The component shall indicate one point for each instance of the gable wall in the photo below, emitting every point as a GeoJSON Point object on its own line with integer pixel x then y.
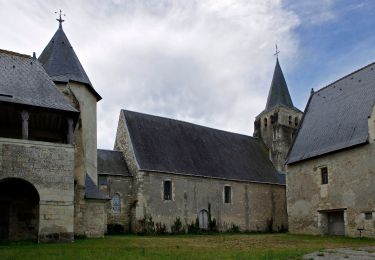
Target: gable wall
{"type": "Point", "coordinates": [351, 185]}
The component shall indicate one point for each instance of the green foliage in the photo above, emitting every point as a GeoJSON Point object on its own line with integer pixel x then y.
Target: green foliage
{"type": "Point", "coordinates": [147, 226]}
{"type": "Point", "coordinates": [212, 225]}
{"type": "Point", "coordinates": [218, 246]}
{"type": "Point", "coordinates": [177, 228]}
{"type": "Point", "coordinates": [193, 228]}
{"type": "Point", "coordinates": [234, 229]}
{"type": "Point", "coordinates": [160, 229]}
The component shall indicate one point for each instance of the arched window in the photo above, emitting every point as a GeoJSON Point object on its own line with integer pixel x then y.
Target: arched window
{"type": "Point", "coordinates": [265, 122]}
{"type": "Point", "coordinates": [290, 120]}
{"type": "Point", "coordinates": [116, 203]}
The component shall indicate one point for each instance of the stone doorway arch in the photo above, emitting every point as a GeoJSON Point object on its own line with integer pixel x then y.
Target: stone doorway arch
{"type": "Point", "coordinates": [203, 219]}
{"type": "Point", "coordinates": [19, 207]}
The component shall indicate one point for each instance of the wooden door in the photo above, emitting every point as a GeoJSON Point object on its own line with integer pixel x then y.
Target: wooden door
{"type": "Point", "coordinates": [336, 225]}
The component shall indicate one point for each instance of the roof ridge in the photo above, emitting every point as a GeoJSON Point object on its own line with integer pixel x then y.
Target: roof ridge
{"type": "Point", "coordinates": [189, 123]}
{"type": "Point", "coordinates": [346, 76]}
{"type": "Point", "coordinates": [15, 53]}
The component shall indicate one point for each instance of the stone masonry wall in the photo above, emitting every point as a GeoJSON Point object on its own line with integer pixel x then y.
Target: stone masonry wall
{"type": "Point", "coordinates": [351, 186]}
{"type": "Point", "coordinates": [49, 168]}
{"type": "Point", "coordinates": [122, 186]}
{"type": "Point", "coordinates": [254, 207]}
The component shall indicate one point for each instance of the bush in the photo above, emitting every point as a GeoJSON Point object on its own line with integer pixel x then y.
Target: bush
{"type": "Point", "coordinates": [147, 226]}
{"type": "Point", "coordinates": [234, 229]}
{"type": "Point", "coordinates": [177, 228]}
{"type": "Point", "coordinates": [115, 229]}
{"type": "Point", "coordinates": [160, 228]}
{"type": "Point", "coordinates": [193, 228]}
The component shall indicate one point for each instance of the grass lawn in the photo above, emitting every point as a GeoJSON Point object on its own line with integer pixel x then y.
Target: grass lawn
{"type": "Point", "coordinates": [220, 246]}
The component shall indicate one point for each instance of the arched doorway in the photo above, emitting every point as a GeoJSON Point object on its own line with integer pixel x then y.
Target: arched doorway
{"type": "Point", "coordinates": [203, 219]}
{"type": "Point", "coordinates": [19, 207]}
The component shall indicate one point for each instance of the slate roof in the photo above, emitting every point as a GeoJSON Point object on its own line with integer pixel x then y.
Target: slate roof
{"type": "Point", "coordinates": [24, 81]}
{"type": "Point", "coordinates": [92, 191]}
{"type": "Point", "coordinates": [172, 146]}
{"type": "Point", "coordinates": [112, 163]}
{"type": "Point", "coordinates": [278, 94]}
{"type": "Point", "coordinates": [336, 116]}
{"type": "Point", "coordinates": [61, 62]}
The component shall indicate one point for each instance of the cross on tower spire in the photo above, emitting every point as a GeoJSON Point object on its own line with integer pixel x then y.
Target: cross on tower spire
{"type": "Point", "coordinates": [277, 52]}
{"type": "Point", "coordinates": [59, 19]}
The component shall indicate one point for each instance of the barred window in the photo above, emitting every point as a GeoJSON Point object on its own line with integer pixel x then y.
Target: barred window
{"type": "Point", "coordinates": [116, 203]}
{"type": "Point", "coordinates": [167, 190]}
{"type": "Point", "coordinates": [324, 175]}
{"type": "Point", "coordinates": [227, 194]}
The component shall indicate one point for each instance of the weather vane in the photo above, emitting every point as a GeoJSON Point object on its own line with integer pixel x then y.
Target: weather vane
{"type": "Point", "coordinates": [59, 19]}
{"type": "Point", "coordinates": [277, 52]}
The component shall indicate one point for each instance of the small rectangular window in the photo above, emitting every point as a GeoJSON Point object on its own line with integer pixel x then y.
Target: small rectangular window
{"type": "Point", "coordinates": [167, 190]}
{"type": "Point", "coordinates": [324, 174]}
{"type": "Point", "coordinates": [368, 215]}
{"type": "Point", "coordinates": [227, 194]}
{"type": "Point", "coordinates": [102, 180]}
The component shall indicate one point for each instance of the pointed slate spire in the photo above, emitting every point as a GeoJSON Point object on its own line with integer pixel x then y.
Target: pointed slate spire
{"type": "Point", "coordinates": [279, 93]}
{"type": "Point", "coordinates": [61, 62]}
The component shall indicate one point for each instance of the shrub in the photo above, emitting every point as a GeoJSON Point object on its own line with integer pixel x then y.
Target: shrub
{"type": "Point", "coordinates": [234, 229]}
{"type": "Point", "coordinates": [160, 228]}
{"type": "Point", "coordinates": [177, 228]}
{"type": "Point", "coordinates": [147, 226]}
{"type": "Point", "coordinates": [193, 228]}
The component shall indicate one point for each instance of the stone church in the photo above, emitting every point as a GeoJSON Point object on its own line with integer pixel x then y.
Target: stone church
{"type": "Point", "coordinates": [55, 184]}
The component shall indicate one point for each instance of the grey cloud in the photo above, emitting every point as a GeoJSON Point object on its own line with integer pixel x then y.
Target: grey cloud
{"type": "Point", "coordinates": [204, 61]}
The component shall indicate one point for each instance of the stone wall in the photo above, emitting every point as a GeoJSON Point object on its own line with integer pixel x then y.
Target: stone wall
{"type": "Point", "coordinates": [254, 206]}
{"type": "Point", "coordinates": [90, 216]}
{"type": "Point", "coordinates": [351, 187]}
{"type": "Point", "coordinates": [49, 168]}
{"type": "Point", "coordinates": [121, 185]}
{"type": "Point", "coordinates": [278, 132]}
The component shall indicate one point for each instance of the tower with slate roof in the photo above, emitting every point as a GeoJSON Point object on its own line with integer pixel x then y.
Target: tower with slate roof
{"type": "Point", "coordinates": [278, 122]}
{"type": "Point", "coordinates": [63, 66]}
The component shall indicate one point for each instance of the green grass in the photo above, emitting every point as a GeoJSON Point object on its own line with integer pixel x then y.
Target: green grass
{"type": "Point", "coordinates": [219, 246]}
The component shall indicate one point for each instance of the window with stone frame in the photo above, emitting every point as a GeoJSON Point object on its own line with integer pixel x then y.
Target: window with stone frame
{"type": "Point", "coordinates": [227, 194]}
{"type": "Point", "coordinates": [167, 190]}
{"type": "Point", "coordinates": [324, 175]}
{"type": "Point", "coordinates": [368, 215]}
{"type": "Point", "coordinates": [116, 203]}
{"type": "Point", "coordinates": [296, 121]}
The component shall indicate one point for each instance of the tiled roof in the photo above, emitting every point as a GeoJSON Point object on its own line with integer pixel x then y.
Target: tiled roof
{"type": "Point", "coordinates": [112, 163]}
{"type": "Point", "coordinates": [336, 116]}
{"type": "Point", "coordinates": [61, 62]}
{"type": "Point", "coordinates": [172, 146]}
{"type": "Point", "coordinates": [278, 94]}
{"type": "Point", "coordinates": [92, 191]}
{"type": "Point", "coordinates": [24, 81]}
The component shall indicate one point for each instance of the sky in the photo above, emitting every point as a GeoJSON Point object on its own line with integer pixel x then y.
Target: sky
{"type": "Point", "coordinates": [208, 62]}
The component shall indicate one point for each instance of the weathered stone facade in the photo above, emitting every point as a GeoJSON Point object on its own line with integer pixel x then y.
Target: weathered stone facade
{"type": "Point", "coordinates": [276, 128]}
{"type": "Point", "coordinates": [49, 168]}
{"type": "Point", "coordinates": [254, 206]}
{"type": "Point", "coordinates": [349, 191]}
{"type": "Point", "coordinates": [122, 186]}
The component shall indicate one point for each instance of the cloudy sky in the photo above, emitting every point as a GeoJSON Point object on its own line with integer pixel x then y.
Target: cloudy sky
{"type": "Point", "coordinates": [205, 61]}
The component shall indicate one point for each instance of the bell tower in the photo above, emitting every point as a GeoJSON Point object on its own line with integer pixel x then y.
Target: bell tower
{"type": "Point", "coordinates": [278, 122]}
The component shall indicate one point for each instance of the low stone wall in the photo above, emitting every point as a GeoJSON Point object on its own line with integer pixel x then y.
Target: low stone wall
{"type": "Point", "coordinates": [49, 168]}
